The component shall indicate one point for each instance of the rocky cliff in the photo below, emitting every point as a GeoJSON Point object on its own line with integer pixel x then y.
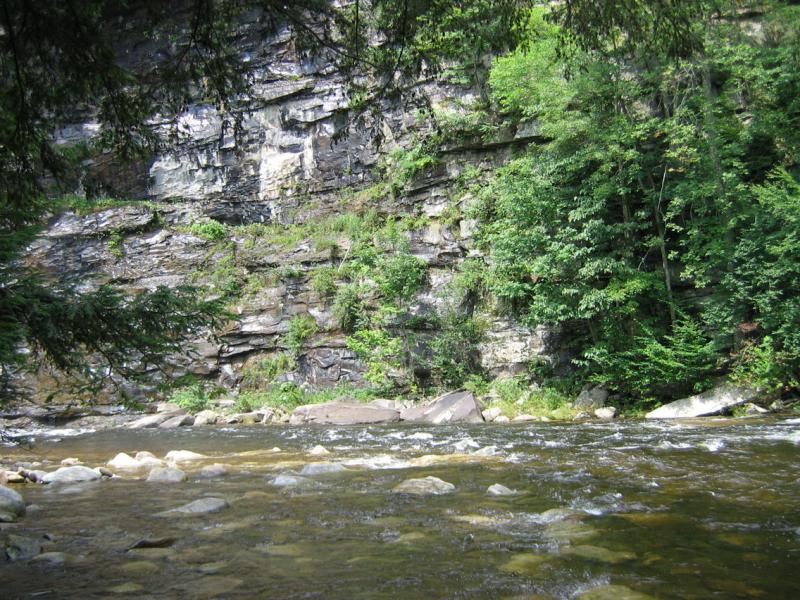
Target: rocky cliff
{"type": "Point", "coordinates": [259, 215]}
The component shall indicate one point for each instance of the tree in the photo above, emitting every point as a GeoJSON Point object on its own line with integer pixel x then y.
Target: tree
{"type": "Point", "coordinates": [62, 57]}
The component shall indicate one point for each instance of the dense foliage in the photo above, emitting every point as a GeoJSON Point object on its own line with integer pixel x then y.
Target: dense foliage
{"type": "Point", "coordinates": [657, 225]}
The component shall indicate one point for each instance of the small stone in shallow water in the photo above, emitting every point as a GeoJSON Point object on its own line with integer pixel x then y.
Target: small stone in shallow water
{"type": "Point", "coordinates": [424, 486]}
{"type": "Point", "coordinates": [321, 468]}
{"type": "Point", "coordinates": [70, 462]}
{"type": "Point", "coordinates": [140, 567]}
{"type": "Point", "coordinates": [288, 480]}
{"type": "Point", "coordinates": [498, 489]}
{"type": "Point", "coordinates": [183, 456]}
{"type": "Point", "coordinates": [525, 564]}
{"type": "Point", "coordinates": [486, 451]}
{"type": "Point", "coordinates": [162, 542]}
{"type": "Point", "coordinates": [18, 547]}
{"type": "Point", "coordinates": [51, 558]}
{"type": "Point", "coordinates": [614, 592]}
{"type": "Point", "coordinates": [126, 588]}
{"type": "Point", "coordinates": [202, 506]}
{"type": "Point", "coordinates": [166, 475]}
{"type": "Point", "coordinates": [599, 554]}
{"type": "Point", "coordinates": [569, 531]}
{"type": "Point", "coordinates": [213, 471]}
{"type": "Point", "coordinates": [319, 451]}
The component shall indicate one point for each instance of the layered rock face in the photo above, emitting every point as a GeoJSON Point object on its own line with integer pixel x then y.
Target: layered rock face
{"type": "Point", "coordinates": [285, 168]}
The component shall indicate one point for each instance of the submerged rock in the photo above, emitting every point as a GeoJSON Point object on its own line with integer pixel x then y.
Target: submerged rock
{"type": "Point", "coordinates": [343, 413]}
{"type": "Point", "coordinates": [712, 402]}
{"type": "Point", "coordinates": [203, 506]}
{"type": "Point", "coordinates": [166, 475]}
{"type": "Point", "coordinates": [18, 547]}
{"type": "Point", "coordinates": [321, 468]}
{"type": "Point", "coordinates": [614, 592]}
{"type": "Point", "coordinates": [74, 474]}
{"type": "Point", "coordinates": [599, 554]}
{"type": "Point", "coordinates": [424, 486]}
{"type": "Point", "coordinates": [289, 480]}
{"type": "Point", "coordinates": [453, 407]}
{"type": "Point", "coordinates": [213, 471]}
{"type": "Point", "coordinates": [525, 564]}
{"type": "Point", "coordinates": [498, 489]}
{"type": "Point", "coordinates": [12, 505]}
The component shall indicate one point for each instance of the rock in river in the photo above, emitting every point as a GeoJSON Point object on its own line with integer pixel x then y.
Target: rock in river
{"type": "Point", "coordinates": [500, 490]}
{"type": "Point", "coordinates": [124, 462]}
{"type": "Point", "coordinates": [18, 547]}
{"type": "Point", "coordinates": [343, 413]}
{"type": "Point", "coordinates": [424, 486]}
{"type": "Point", "coordinates": [71, 475]}
{"type": "Point", "coordinates": [321, 468]}
{"type": "Point", "coordinates": [12, 505]}
{"type": "Point", "coordinates": [453, 407]}
{"type": "Point", "coordinates": [714, 401]}
{"type": "Point", "coordinates": [183, 456]}
{"type": "Point", "coordinates": [166, 475]}
{"type": "Point", "coordinates": [203, 506]}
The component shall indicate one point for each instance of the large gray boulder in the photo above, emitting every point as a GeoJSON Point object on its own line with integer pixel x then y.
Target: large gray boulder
{"type": "Point", "coordinates": [12, 505]}
{"type": "Point", "coordinates": [343, 413]}
{"type": "Point", "coordinates": [452, 407]}
{"type": "Point", "coordinates": [714, 401]}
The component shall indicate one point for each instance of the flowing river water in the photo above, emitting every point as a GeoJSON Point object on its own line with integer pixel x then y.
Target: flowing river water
{"type": "Point", "coordinates": [699, 509]}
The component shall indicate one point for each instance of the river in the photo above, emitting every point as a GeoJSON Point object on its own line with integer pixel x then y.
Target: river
{"type": "Point", "coordinates": [699, 509]}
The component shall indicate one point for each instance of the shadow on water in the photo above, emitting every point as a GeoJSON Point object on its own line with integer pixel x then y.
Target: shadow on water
{"type": "Point", "coordinates": [614, 510]}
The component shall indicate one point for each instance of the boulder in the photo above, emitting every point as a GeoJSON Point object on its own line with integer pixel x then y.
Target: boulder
{"type": "Point", "coordinates": [166, 475]}
{"type": "Point", "coordinates": [343, 413]}
{"type": "Point", "coordinates": [124, 462]}
{"type": "Point", "coordinates": [183, 456]}
{"type": "Point", "coordinates": [425, 486]}
{"type": "Point", "coordinates": [177, 421]}
{"type": "Point", "coordinates": [500, 490]}
{"type": "Point", "coordinates": [453, 407]}
{"type": "Point", "coordinates": [206, 417]}
{"type": "Point", "coordinates": [319, 451]}
{"type": "Point", "coordinates": [502, 419]}
{"type": "Point", "coordinates": [74, 474]}
{"type": "Point", "coordinates": [292, 481]}
{"type": "Point", "coordinates": [490, 414]}
{"type": "Point", "coordinates": [203, 506]}
{"type": "Point", "coordinates": [591, 397]}
{"type": "Point", "coordinates": [12, 505]}
{"type": "Point", "coordinates": [606, 413]}
{"type": "Point", "coordinates": [751, 409]}
{"type": "Point", "coordinates": [712, 402]}
{"type": "Point", "coordinates": [154, 420]}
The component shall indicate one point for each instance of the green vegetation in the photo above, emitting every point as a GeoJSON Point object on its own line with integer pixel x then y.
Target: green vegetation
{"type": "Point", "coordinates": [660, 220]}
{"type": "Point", "coordinates": [301, 327]}
{"type": "Point", "coordinates": [191, 398]}
{"type": "Point", "coordinates": [209, 229]}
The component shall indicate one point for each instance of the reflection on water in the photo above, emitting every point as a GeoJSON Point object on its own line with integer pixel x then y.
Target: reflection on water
{"type": "Point", "coordinates": [609, 510]}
